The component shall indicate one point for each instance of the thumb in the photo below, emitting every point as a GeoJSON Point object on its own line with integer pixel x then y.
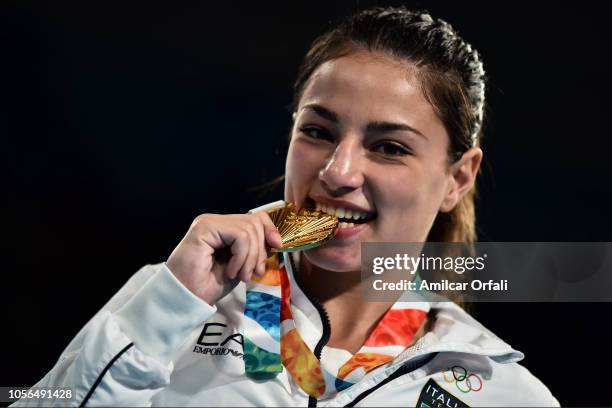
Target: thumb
{"type": "Point", "coordinates": [273, 237]}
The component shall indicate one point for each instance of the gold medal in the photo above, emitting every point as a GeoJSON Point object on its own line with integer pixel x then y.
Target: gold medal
{"type": "Point", "coordinates": [303, 229]}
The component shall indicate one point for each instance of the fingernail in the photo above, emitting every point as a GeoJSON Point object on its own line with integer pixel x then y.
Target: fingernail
{"type": "Point", "coordinates": [261, 268]}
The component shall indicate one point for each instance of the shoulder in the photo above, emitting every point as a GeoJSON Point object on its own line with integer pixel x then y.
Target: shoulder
{"type": "Point", "coordinates": [478, 361]}
{"type": "Point", "coordinates": [519, 385]}
{"type": "Point", "coordinates": [479, 380]}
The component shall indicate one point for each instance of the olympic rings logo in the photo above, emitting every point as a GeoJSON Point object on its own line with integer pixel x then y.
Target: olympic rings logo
{"type": "Point", "coordinates": [465, 382]}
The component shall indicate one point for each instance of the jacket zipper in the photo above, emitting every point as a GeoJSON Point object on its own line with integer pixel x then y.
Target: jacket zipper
{"type": "Point", "coordinates": [404, 369]}
{"type": "Point", "coordinates": [312, 401]}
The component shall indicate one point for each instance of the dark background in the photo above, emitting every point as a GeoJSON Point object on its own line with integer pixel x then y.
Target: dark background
{"type": "Point", "coordinates": [121, 123]}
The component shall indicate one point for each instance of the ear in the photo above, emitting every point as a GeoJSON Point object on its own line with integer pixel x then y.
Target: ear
{"type": "Point", "coordinates": [462, 176]}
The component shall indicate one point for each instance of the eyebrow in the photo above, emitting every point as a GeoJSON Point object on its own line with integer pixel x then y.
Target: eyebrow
{"type": "Point", "coordinates": [323, 112]}
{"type": "Point", "coordinates": [377, 126]}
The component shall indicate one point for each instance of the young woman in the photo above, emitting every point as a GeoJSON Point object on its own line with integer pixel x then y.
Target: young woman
{"type": "Point", "coordinates": [388, 112]}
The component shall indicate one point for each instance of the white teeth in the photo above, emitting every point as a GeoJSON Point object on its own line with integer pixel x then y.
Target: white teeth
{"type": "Point", "coordinates": [345, 225]}
{"type": "Point", "coordinates": [341, 212]}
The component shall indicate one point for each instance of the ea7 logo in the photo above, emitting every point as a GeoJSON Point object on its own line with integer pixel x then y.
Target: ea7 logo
{"type": "Point", "coordinates": [208, 333]}
{"type": "Point", "coordinates": [213, 342]}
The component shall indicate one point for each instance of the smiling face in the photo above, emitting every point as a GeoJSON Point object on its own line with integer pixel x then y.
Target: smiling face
{"type": "Point", "coordinates": [365, 139]}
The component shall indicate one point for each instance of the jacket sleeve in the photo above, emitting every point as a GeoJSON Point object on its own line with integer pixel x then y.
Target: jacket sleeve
{"type": "Point", "coordinates": [123, 355]}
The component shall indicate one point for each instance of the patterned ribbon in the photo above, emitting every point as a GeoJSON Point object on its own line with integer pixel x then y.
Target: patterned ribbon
{"type": "Point", "coordinates": [271, 337]}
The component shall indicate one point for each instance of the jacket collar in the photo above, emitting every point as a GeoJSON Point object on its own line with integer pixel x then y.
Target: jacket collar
{"type": "Point", "coordinates": [453, 331]}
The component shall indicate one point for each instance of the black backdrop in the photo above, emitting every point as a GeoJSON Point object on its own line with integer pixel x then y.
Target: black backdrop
{"type": "Point", "coordinates": [121, 123]}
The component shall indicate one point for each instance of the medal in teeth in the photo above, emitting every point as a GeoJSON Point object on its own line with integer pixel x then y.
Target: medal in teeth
{"type": "Point", "coordinates": [303, 229]}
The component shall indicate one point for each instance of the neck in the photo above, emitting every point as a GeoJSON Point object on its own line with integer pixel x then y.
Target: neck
{"type": "Point", "coordinates": [351, 318]}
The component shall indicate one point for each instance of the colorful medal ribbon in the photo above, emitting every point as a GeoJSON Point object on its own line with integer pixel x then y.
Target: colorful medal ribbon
{"type": "Point", "coordinates": [271, 339]}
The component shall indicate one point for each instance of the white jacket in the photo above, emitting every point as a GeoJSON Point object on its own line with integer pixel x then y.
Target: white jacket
{"type": "Point", "coordinates": [156, 344]}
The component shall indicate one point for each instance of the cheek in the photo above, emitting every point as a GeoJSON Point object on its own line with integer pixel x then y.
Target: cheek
{"type": "Point", "coordinates": [301, 170]}
{"type": "Point", "coordinates": [400, 192]}
{"type": "Point", "coordinates": [409, 198]}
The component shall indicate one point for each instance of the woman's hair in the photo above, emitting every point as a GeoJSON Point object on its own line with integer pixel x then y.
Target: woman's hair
{"type": "Point", "coordinates": [449, 71]}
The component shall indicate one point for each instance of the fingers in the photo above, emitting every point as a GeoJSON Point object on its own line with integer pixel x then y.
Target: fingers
{"type": "Point", "coordinates": [260, 267]}
{"type": "Point", "coordinates": [240, 245]}
{"type": "Point", "coordinates": [250, 262]}
{"type": "Point", "coordinates": [248, 249]}
{"type": "Point", "coordinates": [245, 236]}
{"type": "Point", "coordinates": [273, 237]}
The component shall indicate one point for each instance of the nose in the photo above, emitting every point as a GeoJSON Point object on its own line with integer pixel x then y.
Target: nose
{"type": "Point", "coordinates": [343, 171]}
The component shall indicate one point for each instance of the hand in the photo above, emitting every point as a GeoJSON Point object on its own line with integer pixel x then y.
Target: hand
{"type": "Point", "coordinates": [220, 250]}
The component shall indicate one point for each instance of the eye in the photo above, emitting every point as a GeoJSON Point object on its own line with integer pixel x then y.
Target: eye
{"type": "Point", "coordinates": [389, 148]}
{"type": "Point", "coordinates": [317, 133]}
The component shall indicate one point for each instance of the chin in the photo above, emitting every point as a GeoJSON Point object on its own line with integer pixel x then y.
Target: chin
{"type": "Point", "coordinates": [335, 259]}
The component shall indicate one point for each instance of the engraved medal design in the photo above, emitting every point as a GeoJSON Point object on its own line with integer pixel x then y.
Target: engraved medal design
{"type": "Point", "coordinates": [302, 230]}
